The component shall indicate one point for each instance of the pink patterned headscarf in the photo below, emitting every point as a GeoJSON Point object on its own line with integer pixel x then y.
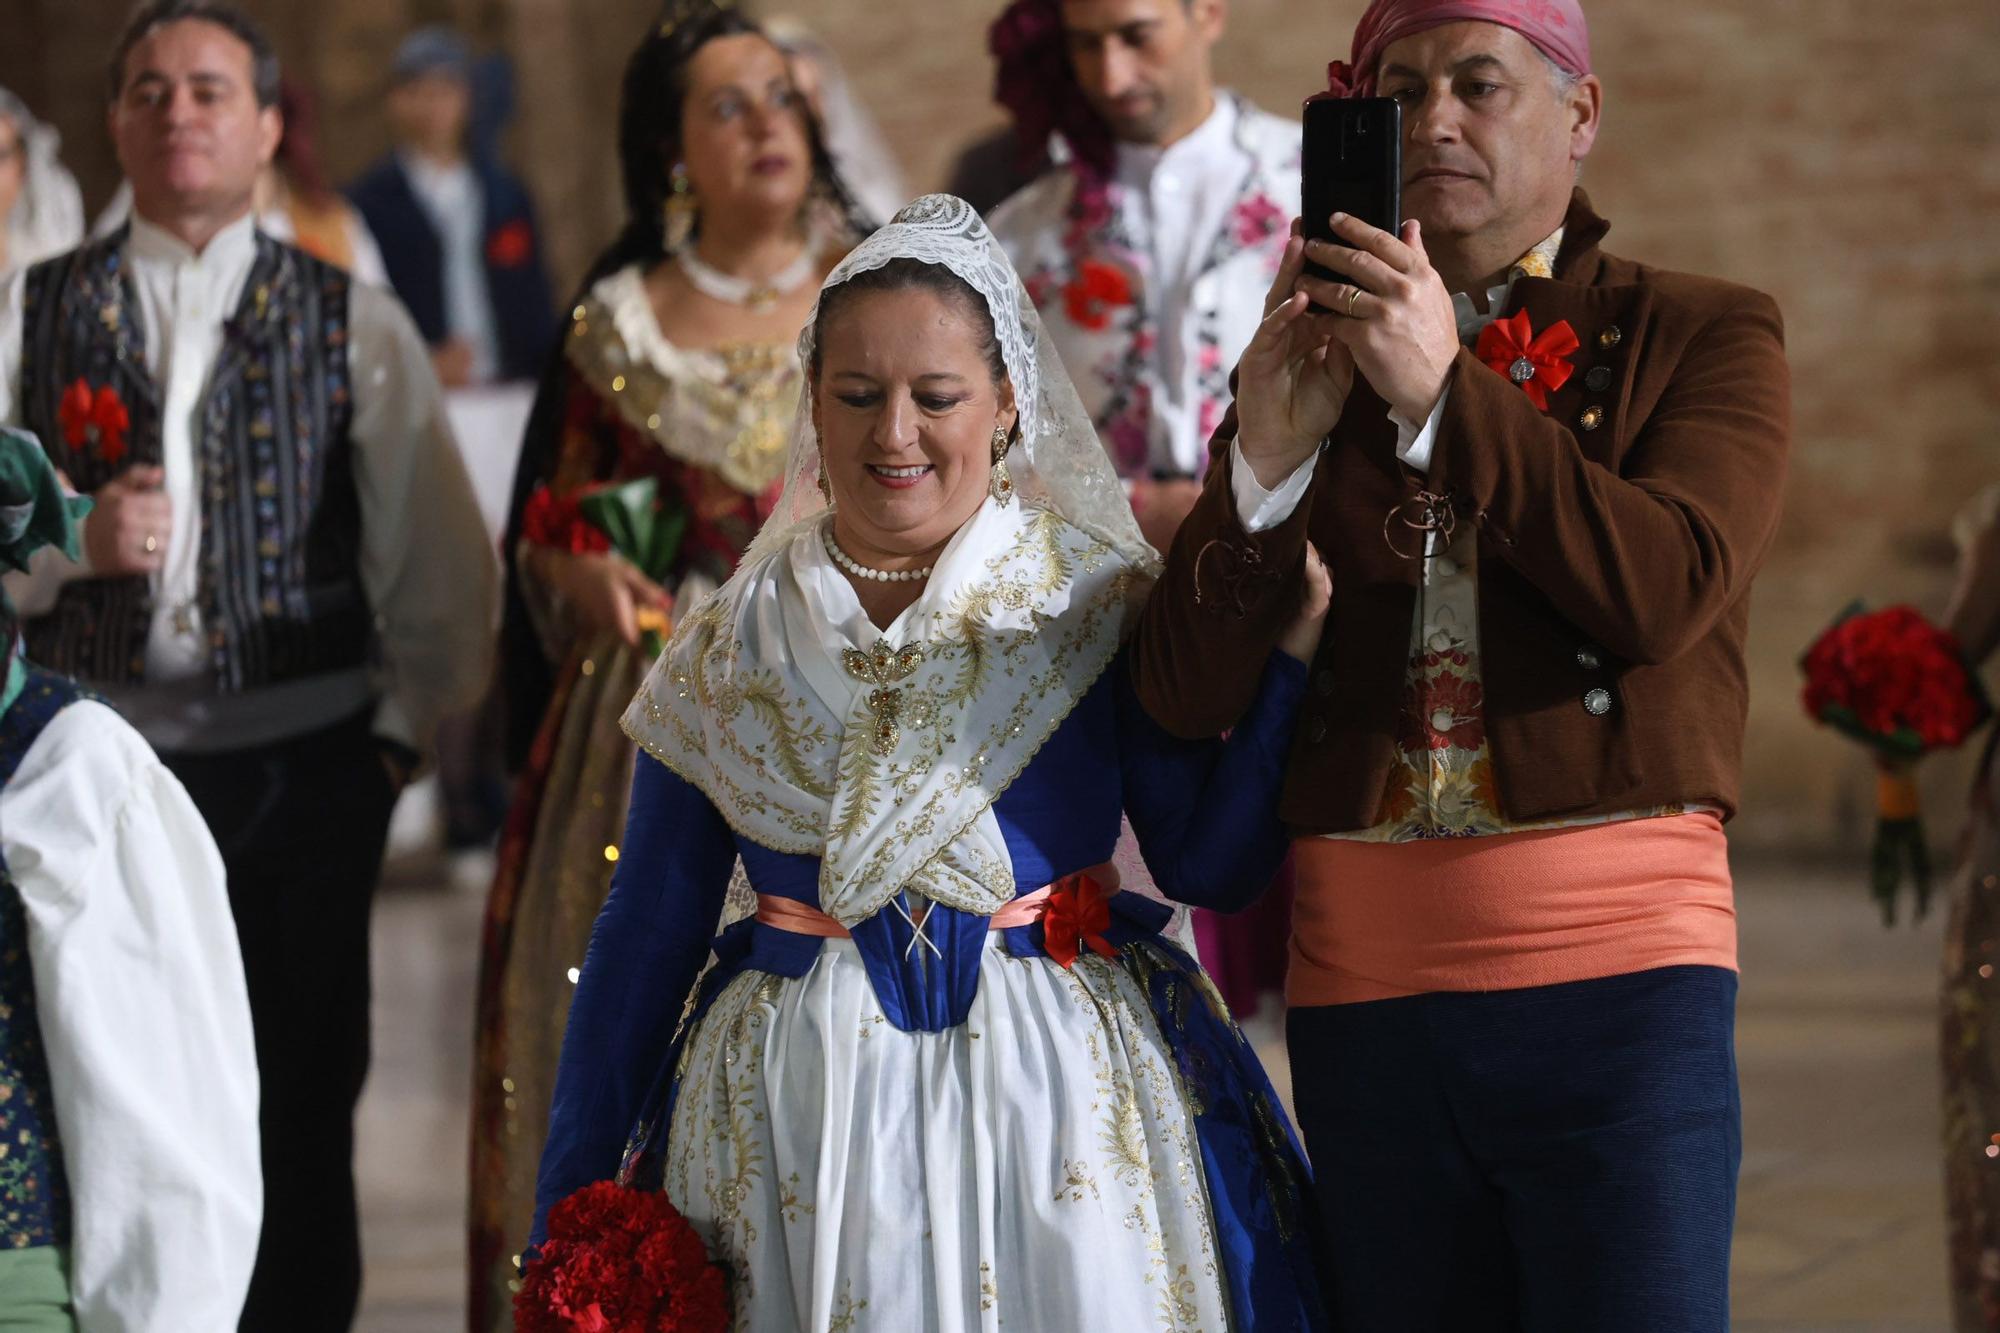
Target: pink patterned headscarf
{"type": "Point", "coordinates": [1556, 27]}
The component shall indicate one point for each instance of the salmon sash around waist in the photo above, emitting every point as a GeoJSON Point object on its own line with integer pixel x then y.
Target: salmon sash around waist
{"type": "Point", "coordinates": [804, 919]}
{"type": "Point", "coordinates": [1373, 921]}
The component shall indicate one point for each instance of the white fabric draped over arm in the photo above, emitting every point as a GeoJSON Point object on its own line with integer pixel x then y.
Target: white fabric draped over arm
{"type": "Point", "coordinates": [147, 1027]}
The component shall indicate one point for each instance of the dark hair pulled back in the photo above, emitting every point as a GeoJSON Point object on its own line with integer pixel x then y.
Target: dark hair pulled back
{"type": "Point", "coordinates": [899, 275]}
{"type": "Point", "coordinates": [652, 110]}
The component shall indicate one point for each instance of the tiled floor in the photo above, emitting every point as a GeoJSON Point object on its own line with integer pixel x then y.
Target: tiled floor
{"type": "Point", "coordinates": [1839, 1228]}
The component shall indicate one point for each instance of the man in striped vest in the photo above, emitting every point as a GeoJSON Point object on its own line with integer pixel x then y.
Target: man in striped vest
{"type": "Point", "coordinates": [285, 582]}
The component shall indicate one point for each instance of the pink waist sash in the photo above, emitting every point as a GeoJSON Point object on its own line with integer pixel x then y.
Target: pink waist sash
{"type": "Point", "coordinates": [1374, 921]}
{"type": "Point", "coordinates": [801, 919]}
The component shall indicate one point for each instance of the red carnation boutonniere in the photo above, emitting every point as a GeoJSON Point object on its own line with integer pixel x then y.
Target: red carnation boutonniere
{"type": "Point", "coordinates": [95, 418]}
{"type": "Point", "coordinates": [1538, 362]}
{"type": "Point", "coordinates": [511, 246]}
{"type": "Point", "coordinates": [1075, 917]}
{"type": "Point", "coordinates": [1097, 289]}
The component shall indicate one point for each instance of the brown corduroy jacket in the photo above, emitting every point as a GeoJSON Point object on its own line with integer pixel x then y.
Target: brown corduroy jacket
{"type": "Point", "coordinates": [1618, 535]}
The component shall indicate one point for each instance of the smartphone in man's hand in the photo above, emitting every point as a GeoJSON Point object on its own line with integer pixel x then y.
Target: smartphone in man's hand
{"type": "Point", "coordinates": [1353, 164]}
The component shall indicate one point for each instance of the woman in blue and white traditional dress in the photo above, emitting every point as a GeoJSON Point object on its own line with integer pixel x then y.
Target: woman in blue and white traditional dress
{"type": "Point", "coordinates": [945, 1076]}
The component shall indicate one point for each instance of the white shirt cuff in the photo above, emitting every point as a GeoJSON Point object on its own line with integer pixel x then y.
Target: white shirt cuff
{"type": "Point", "coordinates": [392, 723]}
{"type": "Point", "coordinates": [1262, 510]}
{"type": "Point", "coordinates": [1414, 440]}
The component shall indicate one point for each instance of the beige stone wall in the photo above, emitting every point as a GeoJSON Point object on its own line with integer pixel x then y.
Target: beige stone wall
{"type": "Point", "coordinates": [1841, 155]}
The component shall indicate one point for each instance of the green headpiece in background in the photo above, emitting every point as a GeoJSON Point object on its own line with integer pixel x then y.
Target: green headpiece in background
{"type": "Point", "coordinates": [34, 512]}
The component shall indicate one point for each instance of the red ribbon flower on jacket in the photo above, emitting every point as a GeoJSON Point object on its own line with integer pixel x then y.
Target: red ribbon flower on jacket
{"type": "Point", "coordinates": [1076, 916]}
{"type": "Point", "coordinates": [1538, 362]}
{"type": "Point", "coordinates": [511, 246]}
{"type": "Point", "coordinates": [1097, 288]}
{"type": "Point", "coordinates": [96, 418]}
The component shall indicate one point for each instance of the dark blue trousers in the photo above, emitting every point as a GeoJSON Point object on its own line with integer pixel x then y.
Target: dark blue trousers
{"type": "Point", "coordinates": [1560, 1159]}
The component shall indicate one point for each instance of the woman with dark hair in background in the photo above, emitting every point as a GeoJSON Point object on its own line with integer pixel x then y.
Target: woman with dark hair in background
{"type": "Point", "coordinates": [680, 368]}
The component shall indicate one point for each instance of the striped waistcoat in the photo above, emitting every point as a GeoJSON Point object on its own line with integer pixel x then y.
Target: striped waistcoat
{"type": "Point", "coordinates": [280, 592]}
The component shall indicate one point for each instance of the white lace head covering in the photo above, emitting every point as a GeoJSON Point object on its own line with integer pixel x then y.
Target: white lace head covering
{"type": "Point", "coordinates": [1057, 462]}
{"type": "Point", "coordinates": [758, 701]}
{"type": "Point", "coordinates": [47, 219]}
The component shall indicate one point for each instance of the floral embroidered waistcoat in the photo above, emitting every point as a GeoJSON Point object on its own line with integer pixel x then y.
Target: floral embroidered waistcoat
{"type": "Point", "coordinates": [34, 1192]}
{"type": "Point", "coordinates": [281, 589]}
{"type": "Point", "coordinates": [1443, 786]}
{"type": "Point", "coordinates": [1082, 252]}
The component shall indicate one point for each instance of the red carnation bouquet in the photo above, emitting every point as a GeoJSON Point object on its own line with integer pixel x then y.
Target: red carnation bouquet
{"type": "Point", "coordinates": [1899, 685]}
{"type": "Point", "coordinates": [621, 1260]}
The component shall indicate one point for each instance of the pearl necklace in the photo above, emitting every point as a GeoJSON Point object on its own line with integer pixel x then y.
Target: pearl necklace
{"type": "Point", "coordinates": [861, 571]}
{"type": "Point", "coordinates": [758, 297]}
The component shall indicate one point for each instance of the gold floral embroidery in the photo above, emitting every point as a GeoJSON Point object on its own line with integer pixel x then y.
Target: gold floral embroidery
{"type": "Point", "coordinates": [1077, 1181]}
{"type": "Point", "coordinates": [1125, 1140]}
{"type": "Point", "coordinates": [727, 1146]}
{"type": "Point", "coordinates": [846, 1314]}
{"type": "Point", "coordinates": [728, 409]}
{"type": "Point", "coordinates": [889, 795]}
{"type": "Point", "coordinates": [1443, 784]}
{"type": "Point", "coordinates": [1131, 1163]}
{"type": "Point", "coordinates": [789, 1202]}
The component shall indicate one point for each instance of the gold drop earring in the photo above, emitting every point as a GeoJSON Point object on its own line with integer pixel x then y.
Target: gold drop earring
{"type": "Point", "coordinates": [677, 223]}
{"type": "Point", "coordinates": [1002, 485]}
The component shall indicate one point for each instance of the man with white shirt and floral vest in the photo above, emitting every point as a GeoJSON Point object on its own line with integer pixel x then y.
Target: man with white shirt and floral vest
{"type": "Point", "coordinates": [285, 580]}
{"type": "Point", "coordinates": [1149, 243]}
{"type": "Point", "coordinates": [1147, 247]}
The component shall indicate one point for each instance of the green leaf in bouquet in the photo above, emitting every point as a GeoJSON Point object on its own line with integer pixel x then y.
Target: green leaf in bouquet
{"type": "Point", "coordinates": [1900, 852]}
{"type": "Point", "coordinates": [1902, 743]}
{"type": "Point", "coordinates": [644, 529]}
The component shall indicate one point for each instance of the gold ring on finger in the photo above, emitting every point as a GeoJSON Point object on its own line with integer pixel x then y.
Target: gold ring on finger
{"type": "Point", "coordinates": [152, 543]}
{"type": "Point", "coordinates": [1353, 299]}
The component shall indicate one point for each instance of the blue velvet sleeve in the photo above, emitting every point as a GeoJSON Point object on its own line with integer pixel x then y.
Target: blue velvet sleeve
{"type": "Point", "coordinates": [646, 950]}
{"type": "Point", "coordinates": [1206, 812]}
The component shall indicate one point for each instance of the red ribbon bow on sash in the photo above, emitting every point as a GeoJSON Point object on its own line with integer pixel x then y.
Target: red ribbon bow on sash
{"type": "Point", "coordinates": [1535, 361]}
{"type": "Point", "coordinates": [1077, 914]}
{"type": "Point", "coordinates": [98, 418]}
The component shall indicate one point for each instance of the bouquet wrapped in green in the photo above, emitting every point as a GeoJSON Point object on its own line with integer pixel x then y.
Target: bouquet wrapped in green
{"type": "Point", "coordinates": [629, 518]}
{"type": "Point", "coordinates": [646, 532]}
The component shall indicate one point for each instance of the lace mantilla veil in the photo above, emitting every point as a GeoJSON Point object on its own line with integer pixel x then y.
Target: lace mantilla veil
{"type": "Point", "coordinates": [1057, 461]}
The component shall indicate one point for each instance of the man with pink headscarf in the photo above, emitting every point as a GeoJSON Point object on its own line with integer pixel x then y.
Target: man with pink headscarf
{"type": "Point", "coordinates": [1543, 478]}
